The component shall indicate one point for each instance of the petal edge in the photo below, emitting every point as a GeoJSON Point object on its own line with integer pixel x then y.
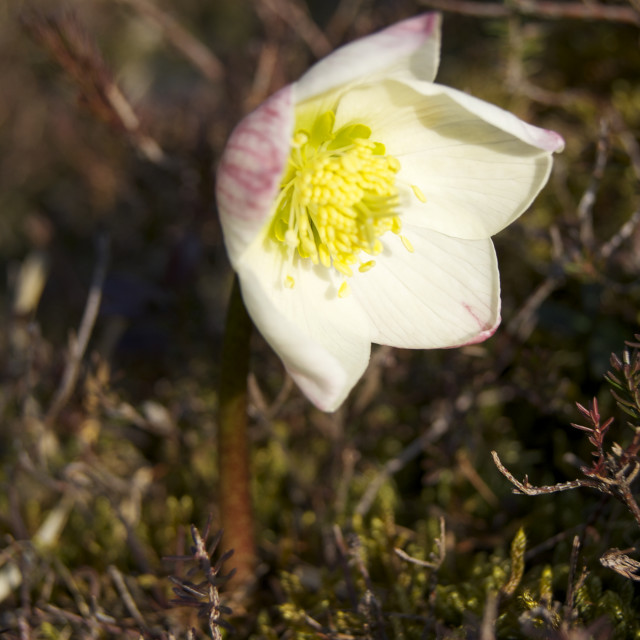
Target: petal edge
{"type": "Point", "coordinates": [414, 43]}
{"type": "Point", "coordinates": [248, 176]}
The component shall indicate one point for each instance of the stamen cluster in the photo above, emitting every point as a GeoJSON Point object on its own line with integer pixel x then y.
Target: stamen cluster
{"type": "Point", "coordinates": [338, 196]}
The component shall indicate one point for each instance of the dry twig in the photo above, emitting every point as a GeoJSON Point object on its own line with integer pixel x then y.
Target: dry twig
{"type": "Point", "coordinates": [393, 466]}
{"type": "Point", "coordinates": [204, 595]}
{"type": "Point", "coordinates": [183, 40]}
{"type": "Point", "coordinates": [79, 343]}
{"type": "Point", "coordinates": [585, 207]}
{"type": "Point", "coordinates": [547, 10]}
{"type": "Point", "coordinates": [72, 48]}
{"type": "Point", "coordinates": [436, 559]}
{"type": "Point", "coordinates": [297, 17]}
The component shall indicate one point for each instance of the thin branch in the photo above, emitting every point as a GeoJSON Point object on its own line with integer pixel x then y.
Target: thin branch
{"type": "Point", "coordinates": [397, 463]}
{"type": "Point", "coordinates": [621, 563]}
{"type": "Point", "coordinates": [585, 207]}
{"type": "Point", "coordinates": [369, 604]}
{"type": "Point", "coordinates": [342, 18]}
{"type": "Point", "coordinates": [126, 597]}
{"type": "Point", "coordinates": [184, 41]}
{"type": "Point", "coordinates": [628, 140]}
{"type": "Point", "coordinates": [530, 490]}
{"type": "Point", "coordinates": [264, 74]}
{"type": "Point", "coordinates": [470, 473]}
{"type": "Point", "coordinates": [624, 492]}
{"type": "Point", "coordinates": [623, 233]}
{"type": "Point", "coordinates": [146, 145]}
{"type": "Point", "coordinates": [421, 563]}
{"type": "Point", "coordinates": [204, 596]}
{"type": "Point", "coordinates": [489, 617]}
{"type": "Point", "coordinates": [438, 559]}
{"type": "Point", "coordinates": [478, 9]}
{"type": "Point", "coordinates": [546, 10]}
{"type": "Point", "coordinates": [343, 554]}
{"type": "Point", "coordinates": [301, 22]}
{"type": "Point", "coordinates": [79, 344]}
{"type": "Point", "coordinates": [524, 321]}
{"type": "Point", "coordinates": [74, 50]}
{"type": "Point", "coordinates": [571, 584]}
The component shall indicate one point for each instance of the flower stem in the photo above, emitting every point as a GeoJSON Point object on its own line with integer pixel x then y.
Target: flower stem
{"type": "Point", "coordinates": [233, 449]}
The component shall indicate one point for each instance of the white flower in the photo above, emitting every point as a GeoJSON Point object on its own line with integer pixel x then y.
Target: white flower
{"type": "Point", "coordinates": [358, 206]}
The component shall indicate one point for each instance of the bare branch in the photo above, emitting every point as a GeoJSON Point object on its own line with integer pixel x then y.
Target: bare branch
{"type": "Point", "coordinates": [397, 463]}
{"type": "Point", "coordinates": [437, 559]}
{"type": "Point", "coordinates": [79, 344]}
{"type": "Point", "coordinates": [342, 18]}
{"type": "Point", "coordinates": [530, 490]}
{"type": "Point", "coordinates": [126, 596]}
{"type": "Point", "coordinates": [76, 53]}
{"type": "Point", "coordinates": [623, 233]}
{"type": "Point", "coordinates": [546, 10]}
{"type": "Point", "coordinates": [524, 321]}
{"type": "Point", "coordinates": [184, 41]}
{"type": "Point", "coordinates": [298, 18]}
{"type": "Point", "coordinates": [621, 563]}
{"type": "Point", "coordinates": [585, 207]}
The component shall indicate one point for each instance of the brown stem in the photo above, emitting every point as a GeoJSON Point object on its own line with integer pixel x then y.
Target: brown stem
{"type": "Point", "coordinates": [541, 9]}
{"type": "Point", "coordinates": [233, 449]}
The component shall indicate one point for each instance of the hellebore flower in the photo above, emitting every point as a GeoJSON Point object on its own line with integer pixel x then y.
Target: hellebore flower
{"type": "Point", "coordinates": [358, 205]}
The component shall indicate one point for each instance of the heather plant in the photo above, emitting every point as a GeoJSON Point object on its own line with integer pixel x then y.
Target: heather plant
{"type": "Point", "coordinates": [164, 475]}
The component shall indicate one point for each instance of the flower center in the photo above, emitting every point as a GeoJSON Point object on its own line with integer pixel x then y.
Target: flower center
{"type": "Point", "coordinates": [338, 196]}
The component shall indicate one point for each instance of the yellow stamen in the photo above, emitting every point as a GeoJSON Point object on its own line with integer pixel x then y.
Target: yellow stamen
{"type": "Point", "coordinates": [407, 243]}
{"type": "Point", "coordinates": [289, 282]}
{"type": "Point", "coordinates": [418, 193]}
{"type": "Point", "coordinates": [365, 266]}
{"type": "Point", "coordinates": [344, 290]}
{"type": "Point", "coordinates": [338, 197]}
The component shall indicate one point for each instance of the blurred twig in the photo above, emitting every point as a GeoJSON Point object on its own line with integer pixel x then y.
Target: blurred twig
{"type": "Point", "coordinates": [621, 563]}
{"type": "Point", "coordinates": [183, 40]}
{"type": "Point", "coordinates": [262, 79]}
{"type": "Point", "coordinates": [204, 595]}
{"type": "Point", "coordinates": [342, 18]}
{"type": "Point", "coordinates": [127, 598]}
{"type": "Point", "coordinates": [625, 231]}
{"type": "Point", "coordinates": [78, 344]}
{"type": "Point", "coordinates": [393, 466]}
{"type": "Point", "coordinates": [585, 207]}
{"type": "Point", "coordinates": [295, 14]}
{"type": "Point", "coordinates": [632, 148]}
{"type": "Point", "coordinates": [436, 558]}
{"type": "Point", "coordinates": [524, 321]}
{"type": "Point", "coordinates": [526, 488]}
{"type": "Point", "coordinates": [72, 48]}
{"type": "Point", "coordinates": [548, 10]}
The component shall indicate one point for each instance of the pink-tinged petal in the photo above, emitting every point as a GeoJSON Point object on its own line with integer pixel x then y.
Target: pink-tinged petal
{"type": "Point", "coordinates": [250, 170]}
{"type": "Point", "coordinates": [483, 335]}
{"type": "Point", "coordinates": [413, 45]}
{"type": "Point", "coordinates": [445, 293]}
{"type": "Point", "coordinates": [322, 340]}
{"type": "Point", "coordinates": [504, 120]}
{"type": "Point", "coordinates": [476, 177]}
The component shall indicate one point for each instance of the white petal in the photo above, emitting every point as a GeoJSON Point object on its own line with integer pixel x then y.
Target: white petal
{"type": "Point", "coordinates": [322, 340]}
{"type": "Point", "coordinates": [444, 294]}
{"type": "Point", "coordinates": [248, 177]}
{"type": "Point", "coordinates": [478, 169]}
{"type": "Point", "coordinates": [412, 45]}
{"type": "Point", "coordinates": [504, 120]}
